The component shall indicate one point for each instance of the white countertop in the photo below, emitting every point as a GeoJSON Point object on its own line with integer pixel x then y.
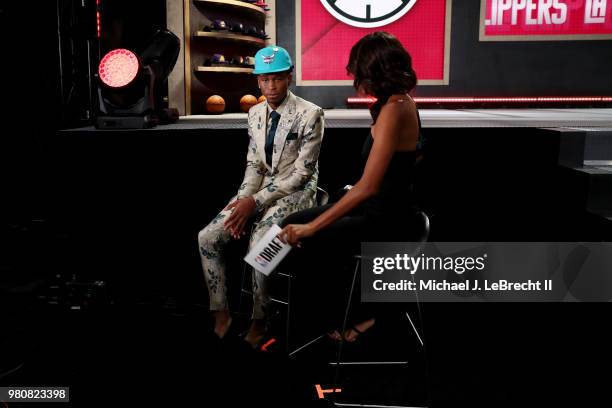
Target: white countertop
{"type": "Point", "coordinates": [431, 118]}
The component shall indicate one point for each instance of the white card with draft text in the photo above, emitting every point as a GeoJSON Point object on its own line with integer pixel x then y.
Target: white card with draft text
{"type": "Point", "coordinates": [268, 252]}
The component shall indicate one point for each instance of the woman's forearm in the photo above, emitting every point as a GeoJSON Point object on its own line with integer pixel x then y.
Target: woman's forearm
{"type": "Point", "coordinates": [349, 201]}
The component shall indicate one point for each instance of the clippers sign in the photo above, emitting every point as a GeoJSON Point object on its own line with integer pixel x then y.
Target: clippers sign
{"type": "Point", "coordinates": [366, 13]}
{"type": "Point", "coordinates": [327, 29]}
{"type": "Point", "coordinates": [530, 20]}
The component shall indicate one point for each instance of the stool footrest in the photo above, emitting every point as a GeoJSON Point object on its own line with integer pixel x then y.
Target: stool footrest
{"type": "Point", "coordinates": [273, 299]}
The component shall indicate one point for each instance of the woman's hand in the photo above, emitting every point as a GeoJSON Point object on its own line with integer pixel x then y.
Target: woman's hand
{"type": "Point", "coordinates": [292, 233]}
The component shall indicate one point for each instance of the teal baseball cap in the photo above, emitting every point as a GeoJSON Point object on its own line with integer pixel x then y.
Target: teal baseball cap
{"type": "Point", "coordinates": [272, 59]}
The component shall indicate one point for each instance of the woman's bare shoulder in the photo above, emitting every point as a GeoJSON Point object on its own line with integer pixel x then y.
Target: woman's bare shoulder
{"type": "Point", "coordinates": [399, 105]}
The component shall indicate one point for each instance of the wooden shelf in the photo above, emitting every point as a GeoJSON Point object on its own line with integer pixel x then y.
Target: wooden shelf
{"type": "Point", "coordinates": [199, 76]}
{"type": "Point", "coordinates": [236, 4]}
{"type": "Point", "coordinates": [234, 70]}
{"type": "Point", "coordinates": [230, 36]}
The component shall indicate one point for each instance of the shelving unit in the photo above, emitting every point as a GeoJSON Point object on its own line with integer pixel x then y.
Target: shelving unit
{"type": "Point", "coordinates": [234, 70]}
{"type": "Point", "coordinates": [231, 82]}
{"type": "Point", "coordinates": [230, 36]}
{"type": "Point", "coordinates": [240, 5]}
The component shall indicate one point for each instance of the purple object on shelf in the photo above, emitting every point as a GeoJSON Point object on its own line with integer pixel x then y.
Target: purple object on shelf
{"type": "Point", "coordinates": [219, 25]}
{"type": "Point", "coordinates": [218, 59]}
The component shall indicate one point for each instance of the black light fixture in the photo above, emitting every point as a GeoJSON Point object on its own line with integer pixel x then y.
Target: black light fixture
{"type": "Point", "coordinates": [130, 86]}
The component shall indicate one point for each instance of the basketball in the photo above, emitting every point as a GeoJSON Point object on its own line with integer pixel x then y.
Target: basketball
{"type": "Point", "coordinates": [246, 102]}
{"type": "Point", "coordinates": [261, 99]}
{"type": "Point", "coordinates": [215, 104]}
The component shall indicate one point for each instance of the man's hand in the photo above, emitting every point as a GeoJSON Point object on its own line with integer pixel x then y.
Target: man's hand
{"type": "Point", "coordinates": [292, 233]}
{"type": "Point", "coordinates": [242, 210]}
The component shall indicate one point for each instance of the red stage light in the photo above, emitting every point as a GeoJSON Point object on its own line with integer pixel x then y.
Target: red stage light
{"type": "Point", "coordinates": [118, 68]}
{"type": "Point", "coordinates": [98, 30]}
{"type": "Point", "coordinates": [493, 100]}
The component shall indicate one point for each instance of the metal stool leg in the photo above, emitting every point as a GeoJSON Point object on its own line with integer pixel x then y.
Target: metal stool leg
{"type": "Point", "coordinates": [345, 320]}
{"type": "Point", "coordinates": [244, 274]}
{"type": "Point", "coordinates": [242, 289]}
{"type": "Point", "coordinates": [288, 317]}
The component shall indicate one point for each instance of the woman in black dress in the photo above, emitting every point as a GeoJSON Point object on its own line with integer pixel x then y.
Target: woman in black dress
{"type": "Point", "coordinates": [381, 205]}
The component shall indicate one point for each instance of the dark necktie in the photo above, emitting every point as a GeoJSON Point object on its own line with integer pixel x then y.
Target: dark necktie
{"type": "Point", "coordinates": [270, 137]}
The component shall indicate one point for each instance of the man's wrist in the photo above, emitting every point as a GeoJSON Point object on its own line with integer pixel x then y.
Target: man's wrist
{"type": "Point", "coordinates": [254, 203]}
{"type": "Point", "coordinates": [258, 203]}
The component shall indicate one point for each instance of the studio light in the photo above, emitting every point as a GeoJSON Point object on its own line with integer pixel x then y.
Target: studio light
{"type": "Point", "coordinates": [130, 87]}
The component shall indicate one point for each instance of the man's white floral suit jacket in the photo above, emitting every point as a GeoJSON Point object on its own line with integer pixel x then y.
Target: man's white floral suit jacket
{"type": "Point", "coordinates": [294, 172]}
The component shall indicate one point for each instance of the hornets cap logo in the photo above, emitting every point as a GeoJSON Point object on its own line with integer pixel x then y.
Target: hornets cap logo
{"type": "Point", "coordinates": [269, 59]}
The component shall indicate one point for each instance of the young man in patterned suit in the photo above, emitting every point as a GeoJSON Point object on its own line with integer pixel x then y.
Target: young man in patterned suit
{"type": "Point", "coordinates": [285, 134]}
